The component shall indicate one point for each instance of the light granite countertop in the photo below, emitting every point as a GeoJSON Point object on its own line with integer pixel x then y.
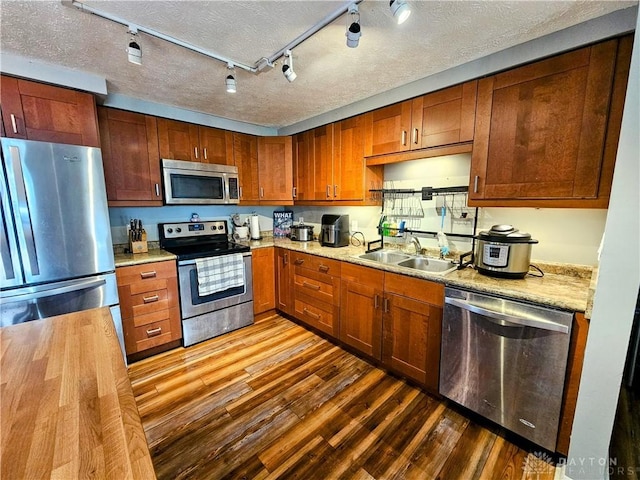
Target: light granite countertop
{"type": "Point", "coordinates": [563, 286]}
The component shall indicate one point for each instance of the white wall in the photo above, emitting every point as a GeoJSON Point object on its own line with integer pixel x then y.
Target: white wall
{"type": "Point", "coordinates": [614, 302]}
{"type": "Point", "coordinates": [564, 235]}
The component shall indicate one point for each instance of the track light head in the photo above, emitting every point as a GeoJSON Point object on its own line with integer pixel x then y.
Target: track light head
{"type": "Point", "coordinates": [230, 81]}
{"type": "Point", "coordinates": [400, 10]}
{"type": "Point", "coordinates": [287, 68]}
{"type": "Point", "coordinates": [134, 52]}
{"type": "Point", "coordinates": [353, 31]}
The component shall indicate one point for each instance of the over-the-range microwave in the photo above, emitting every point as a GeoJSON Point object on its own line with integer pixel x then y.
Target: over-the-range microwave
{"type": "Point", "coordinates": [193, 183]}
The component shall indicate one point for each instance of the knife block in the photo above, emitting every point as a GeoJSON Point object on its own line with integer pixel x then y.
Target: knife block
{"type": "Point", "coordinates": [138, 246]}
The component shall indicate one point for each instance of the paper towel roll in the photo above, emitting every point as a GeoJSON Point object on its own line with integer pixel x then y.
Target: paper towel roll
{"type": "Point", "coordinates": [255, 227]}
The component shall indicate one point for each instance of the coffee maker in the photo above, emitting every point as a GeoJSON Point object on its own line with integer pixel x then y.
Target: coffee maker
{"type": "Point", "coordinates": [334, 231]}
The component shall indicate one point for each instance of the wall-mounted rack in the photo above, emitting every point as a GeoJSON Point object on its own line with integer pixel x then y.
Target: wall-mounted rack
{"type": "Point", "coordinates": [426, 192]}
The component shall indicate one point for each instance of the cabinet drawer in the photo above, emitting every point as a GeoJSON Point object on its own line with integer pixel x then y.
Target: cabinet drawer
{"type": "Point", "coordinates": [146, 273]}
{"type": "Point", "coordinates": [316, 285]}
{"type": "Point", "coordinates": [318, 264]}
{"type": "Point", "coordinates": [152, 317]}
{"type": "Point", "coordinates": [151, 330]}
{"type": "Point", "coordinates": [152, 335]}
{"type": "Point", "coordinates": [320, 315]}
{"type": "Point", "coordinates": [423, 290]}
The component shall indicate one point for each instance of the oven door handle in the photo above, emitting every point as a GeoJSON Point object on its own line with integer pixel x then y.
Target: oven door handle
{"type": "Point", "coordinates": [193, 261]}
{"type": "Point", "coordinates": [508, 320]}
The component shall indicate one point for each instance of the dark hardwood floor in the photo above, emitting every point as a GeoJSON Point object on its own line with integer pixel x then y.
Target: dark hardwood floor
{"type": "Point", "coordinates": [274, 400]}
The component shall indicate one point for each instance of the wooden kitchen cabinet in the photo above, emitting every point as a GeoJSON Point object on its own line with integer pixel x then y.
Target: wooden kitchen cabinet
{"type": "Point", "coordinates": [579, 332]}
{"type": "Point", "coordinates": [330, 166]}
{"type": "Point", "coordinates": [196, 143]}
{"type": "Point", "coordinates": [436, 119]}
{"type": "Point", "coordinates": [149, 305]}
{"type": "Point", "coordinates": [316, 292]}
{"type": "Point", "coordinates": [264, 290]}
{"type": "Point", "coordinates": [35, 111]}
{"type": "Point", "coordinates": [129, 143]}
{"type": "Point", "coordinates": [542, 130]}
{"type": "Point", "coordinates": [275, 170]}
{"type": "Point", "coordinates": [284, 281]}
{"type": "Point", "coordinates": [361, 299]}
{"type": "Point", "coordinates": [245, 156]}
{"type": "Point", "coordinates": [303, 166]}
{"type": "Point", "coordinates": [411, 328]}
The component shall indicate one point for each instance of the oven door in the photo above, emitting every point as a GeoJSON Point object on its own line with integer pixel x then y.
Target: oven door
{"type": "Point", "coordinates": [192, 305]}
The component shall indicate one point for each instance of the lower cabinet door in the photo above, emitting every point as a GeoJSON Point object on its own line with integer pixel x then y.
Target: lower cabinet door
{"type": "Point", "coordinates": [361, 317]}
{"type": "Point", "coordinates": [411, 339]}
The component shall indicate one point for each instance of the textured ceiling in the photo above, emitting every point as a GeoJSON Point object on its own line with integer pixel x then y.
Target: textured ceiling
{"type": "Point", "coordinates": [438, 35]}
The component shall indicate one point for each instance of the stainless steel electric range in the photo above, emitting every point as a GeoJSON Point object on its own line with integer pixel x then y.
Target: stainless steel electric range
{"type": "Point", "coordinates": [208, 315]}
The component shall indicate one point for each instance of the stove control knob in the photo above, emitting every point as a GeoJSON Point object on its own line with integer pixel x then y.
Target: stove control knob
{"type": "Point", "coordinates": [169, 230]}
{"type": "Point", "coordinates": [178, 230]}
{"type": "Point", "coordinates": [213, 227]}
{"type": "Point", "coordinates": [220, 227]}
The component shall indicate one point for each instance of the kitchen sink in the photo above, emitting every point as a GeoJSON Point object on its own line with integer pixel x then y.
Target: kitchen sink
{"type": "Point", "coordinates": [384, 256]}
{"type": "Point", "coordinates": [415, 262]}
{"type": "Point", "coordinates": [433, 265]}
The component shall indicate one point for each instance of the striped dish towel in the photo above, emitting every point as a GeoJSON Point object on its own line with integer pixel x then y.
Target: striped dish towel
{"type": "Point", "coordinates": [216, 274]}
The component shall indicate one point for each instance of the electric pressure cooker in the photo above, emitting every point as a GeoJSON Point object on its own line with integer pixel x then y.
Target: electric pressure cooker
{"type": "Point", "coordinates": [504, 252]}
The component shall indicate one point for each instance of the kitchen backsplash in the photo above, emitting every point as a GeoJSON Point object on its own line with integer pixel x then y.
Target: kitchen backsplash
{"type": "Point", "coordinates": [564, 235]}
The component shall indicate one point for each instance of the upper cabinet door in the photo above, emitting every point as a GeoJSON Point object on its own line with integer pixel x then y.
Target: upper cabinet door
{"type": "Point", "coordinates": [303, 166]}
{"type": "Point", "coordinates": [324, 186]}
{"type": "Point", "coordinates": [36, 111]}
{"type": "Point", "coordinates": [444, 117]}
{"type": "Point", "coordinates": [245, 155]}
{"type": "Point", "coordinates": [387, 129]}
{"type": "Point", "coordinates": [178, 140]}
{"type": "Point", "coordinates": [216, 146]}
{"type": "Point", "coordinates": [540, 129]}
{"type": "Point", "coordinates": [130, 157]}
{"type": "Point", "coordinates": [275, 169]}
{"type": "Point", "coordinates": [348, 159]}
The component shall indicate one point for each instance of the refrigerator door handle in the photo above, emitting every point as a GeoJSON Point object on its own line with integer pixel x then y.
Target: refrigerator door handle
{"type": "Point", "coordinates": [83, 285]}
{"type": "Point", "coordinates": [25, 216]}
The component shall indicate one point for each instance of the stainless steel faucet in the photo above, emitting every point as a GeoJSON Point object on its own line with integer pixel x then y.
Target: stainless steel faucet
{"type": "Point", "coordinates": [416, 243]}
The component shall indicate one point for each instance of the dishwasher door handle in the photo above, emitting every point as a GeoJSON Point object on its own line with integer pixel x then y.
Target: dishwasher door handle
{"type": "Point", "coordinates": [510, 319]}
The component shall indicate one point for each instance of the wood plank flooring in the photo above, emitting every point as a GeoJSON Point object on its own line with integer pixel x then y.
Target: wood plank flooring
{"type": "Point", "coordinates": [274, 400]}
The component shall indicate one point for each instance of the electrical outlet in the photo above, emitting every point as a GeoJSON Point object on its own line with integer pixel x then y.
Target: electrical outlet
{"type": "Point", "coordinates": [354, 225]}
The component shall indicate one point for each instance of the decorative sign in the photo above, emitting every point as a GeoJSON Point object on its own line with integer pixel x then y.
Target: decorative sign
{"type": "Point", "coordinates": [282, 222]}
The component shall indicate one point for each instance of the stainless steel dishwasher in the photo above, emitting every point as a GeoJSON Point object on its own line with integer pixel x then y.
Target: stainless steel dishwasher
{"type": "Point", "coordinates": [506, 361]}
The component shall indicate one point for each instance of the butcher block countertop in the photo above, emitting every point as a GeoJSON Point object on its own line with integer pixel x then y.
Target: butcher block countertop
{"type": "Point", "coordinates": [67, 409]}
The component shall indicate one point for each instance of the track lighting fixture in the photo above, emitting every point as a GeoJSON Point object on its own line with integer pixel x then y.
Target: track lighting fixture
{"type": "Point", "coordinates": [287, 68]}
{"type": "Point", "coordinates": [353, 30]}
{"type": "Point", "coordinates": [400, 10]}
{"type": "Point", "coordinates": [134, 52]}
{"type": "Point", "coordinates": [231, 78]}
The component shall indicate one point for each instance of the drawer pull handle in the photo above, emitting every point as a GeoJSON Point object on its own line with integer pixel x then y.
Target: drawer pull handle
{"type": "Point", "coordinates": [311, 314]}
{"type": "Point", "coordinates": [415, 136]}
{"type": "Point", "coordinates": [154, 332]}
{"type": "Point", "coordinates": [475, 183]}
{"type": "Point", "coordinates": [404, 137]}
{"type": "Point", "coordinates": [323, 268]}
{"type": "Point", "coordinates": [299, 261]}
{"type": "Point", "coordinates": [151, 274]}
{"type": "Point", "coordinates": [285, 259]}
{"type": "Point", "coordinates": [386, 305]}
{"type": "Point", "coordinates": [151, 299]}
{"type": "Point", "coordinates": [376, 301]}
{"type": "Point", "coordinates": [311, 286]}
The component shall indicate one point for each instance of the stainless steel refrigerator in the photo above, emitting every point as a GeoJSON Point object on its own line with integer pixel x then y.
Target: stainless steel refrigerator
{"type": "Point", "coordinates": [57, 254]}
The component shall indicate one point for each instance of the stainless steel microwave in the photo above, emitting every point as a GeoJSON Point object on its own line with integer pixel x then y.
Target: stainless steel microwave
{"type": "Point", "coordinates": [193, 183]}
